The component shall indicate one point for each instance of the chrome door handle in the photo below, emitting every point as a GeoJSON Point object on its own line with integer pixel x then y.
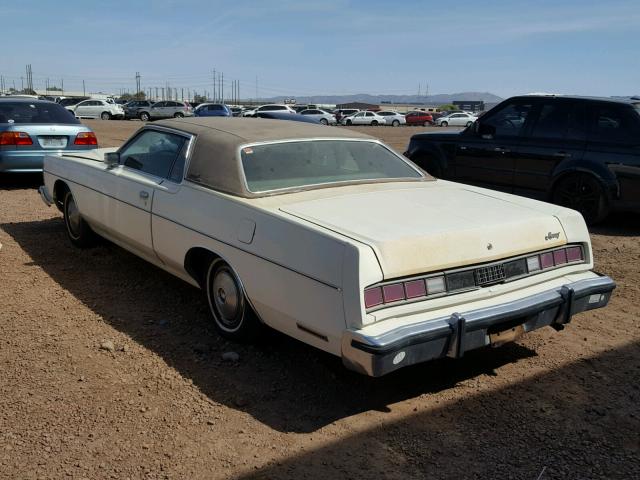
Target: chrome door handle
{"type": "Point", "coordinates": [501, 150]}
{"type": "Point", "coordinates": [144, 194]}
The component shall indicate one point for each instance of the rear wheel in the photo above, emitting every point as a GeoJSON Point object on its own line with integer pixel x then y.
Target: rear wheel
{"type": "Point", "coordinates": [426, 123]}
{"type": "Point", "coordinates": [232, 315]}
{"type": "Point", "coordinates": [584, 193]}
{"type": "Point", "coordinates": [374, 123]}
{"type": "Point", "coordinates": [349, 122]}
{"type": "Point", "coordinates": [444, 124]}
{"type": "Point", "coordinates": [144, 116]}
{"type": "Point", "coordinates": [469, 124]}
{"type": "Point", "coordinates": [178, 115]}
{"type": "Point", "coordinates": [395, 123]}
{"type": "Point", "coordinates": [324, 121]}
{"type": "Point", "coordinates": [105, 116]}
{"type": "Point", "coordinates": [78, 231]}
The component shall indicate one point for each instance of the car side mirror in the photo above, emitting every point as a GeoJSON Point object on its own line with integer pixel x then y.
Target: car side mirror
{"type": "Point", "coordinates": [485, 131]}
{"type": "Point", "coordinates": [111, 159]}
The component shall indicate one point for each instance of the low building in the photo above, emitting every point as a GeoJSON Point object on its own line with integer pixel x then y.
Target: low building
{"type": "Point", "coordinates": [359, 106]}
{"type": "Point", "coordinates": [470, 105]}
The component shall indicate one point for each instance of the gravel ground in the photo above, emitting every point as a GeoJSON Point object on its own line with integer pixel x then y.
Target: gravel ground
{"type": "Point", "coordinates": [110, 369]}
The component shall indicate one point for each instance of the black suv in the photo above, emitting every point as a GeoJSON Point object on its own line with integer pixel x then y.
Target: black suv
{"type": "Point", "coordinates": [579, 152]}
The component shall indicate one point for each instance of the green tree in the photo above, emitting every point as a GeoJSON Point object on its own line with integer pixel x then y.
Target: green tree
{"type": "Point", "coordinates": [447, 106]}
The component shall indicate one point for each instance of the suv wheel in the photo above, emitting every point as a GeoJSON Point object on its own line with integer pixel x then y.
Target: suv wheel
{"type": "Point", "coordinates": [105, 116]}
{"type": "Point", "coordinates": [145, 117]}
{"type": "Point", "coordinates": [178, 115]}
{"type": "Point", "coordinates": [584, 193]}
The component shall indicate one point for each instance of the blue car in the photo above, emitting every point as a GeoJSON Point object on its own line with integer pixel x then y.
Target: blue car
{"type": "Point", "coordinates": [212, 110]}
{"type": "Point", "coordinates": [31, 129]}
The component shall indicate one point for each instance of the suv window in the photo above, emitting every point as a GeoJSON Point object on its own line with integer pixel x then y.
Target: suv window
{"type": "Point", "coordinates": [561, 120]}
{"type": "Point", "coordinates": [611, 124]}
{"type": "Point", "coordinates": [153, 152]}
{"type": "Point", "coordinates": [160, 104]}
{"type": "Point", "coordinates": [508, 121]}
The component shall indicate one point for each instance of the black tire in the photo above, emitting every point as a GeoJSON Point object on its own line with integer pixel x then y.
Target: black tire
{"type": "Point", "coordinates": [78, 231]}
{"type": "Point", "coordinates": [105, 116]}
{"type": "Point", "coordinates": [232, 315]}
{"type": "Point", "coordinates": [144, 116]}
{"type": "Point", "coordinates": [582, 192]}
{"type": "Point", "coordinates": [324, 121]}
{"type": "Point", "coordinates": [395, 123]}
{"type": "Point", "coordinates": [349, 122]}
{"type": "Point", "coordinates": [444, 124]}
{"type": "Point", "coordinates": [374, 123]}
{"type": "Point", "coordinates": [469, 124]}
{"type": "Point", "coordinates": [178, 115]}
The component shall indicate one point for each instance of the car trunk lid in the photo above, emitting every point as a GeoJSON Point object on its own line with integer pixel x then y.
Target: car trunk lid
{"type": "Point", "coordinates": [416, 230]}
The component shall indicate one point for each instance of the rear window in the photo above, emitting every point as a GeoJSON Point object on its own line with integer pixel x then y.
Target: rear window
{"type": "Point", "coordinates": [25, 112]}
{"type": "Point", "coordinates": [319, 162]}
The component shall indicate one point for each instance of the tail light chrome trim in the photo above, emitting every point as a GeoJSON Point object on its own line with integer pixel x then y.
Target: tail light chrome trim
{"type": "Point", "coordinates": [451, 282]}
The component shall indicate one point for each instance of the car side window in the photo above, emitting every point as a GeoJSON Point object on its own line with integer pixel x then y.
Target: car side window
{"type": "Point", "coordinates": [560, 120]}
{"type": "Point", "coordinates": [508, 121]}
{"type": "Point", "coordinates": [369, 114]}
{"type": "Point", "coordinates": [615, 125]}
{"type": "Point", "coordinates": [153, 152]}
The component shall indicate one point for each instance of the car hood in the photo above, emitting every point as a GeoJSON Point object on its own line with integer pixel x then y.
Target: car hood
{"type": "Point", "coordinates": [436, 226]}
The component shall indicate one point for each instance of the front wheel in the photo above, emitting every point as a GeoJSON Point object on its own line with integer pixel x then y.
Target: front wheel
{"type": "Point", "coordinates": [426, 123]}
{"type": "Point", "coordinates": [374, 123]}
{"type": "Point", "coordinates": [105, 116]}
{"type": "Point", "coordinates": [233, 317]}
{"type": "Point", "coordinates": [444, 124]}
{"type": "Point", "coordinates": [395, 123]}
{"type": "Point", "coordinates": [469, 124]}
{"type": "Point", "coordinates": [78, 231]}
{"type": "Point", "coordinates": [145, 117]}
{"type": "Point", "coordinates": [178, 115]}
{"type": "Point", "coordinates": [349, 123]}
{"type": "Point", "coordinates": [584, 193]}
{"type": "Point", "coordinates": [324, 121]}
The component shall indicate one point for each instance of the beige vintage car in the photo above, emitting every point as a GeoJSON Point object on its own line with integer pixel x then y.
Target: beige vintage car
{"type": "Point", "coordinates": [330, 237]}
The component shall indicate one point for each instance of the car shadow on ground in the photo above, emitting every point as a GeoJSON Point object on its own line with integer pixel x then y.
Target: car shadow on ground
{"type": "Point", "coordinates": [281, 382]}
{"type": "Point", "coordinates": [580, 421]}
{"type": "Point", "coordinates": [618, 224]}
{"type": "Point", "coordinates": [9, 181]}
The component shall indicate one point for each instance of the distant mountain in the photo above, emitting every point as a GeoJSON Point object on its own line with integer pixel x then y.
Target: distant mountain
{"type": "Point", "coordinates": [439, 99]}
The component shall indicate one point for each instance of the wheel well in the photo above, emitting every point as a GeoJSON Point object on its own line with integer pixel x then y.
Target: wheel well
{"type": "Point", "coordinates": [196, 263]}
{"type": "Point", "coordinates": [59, 190]}
{"type": "Point", "coordinates": [609, 194]}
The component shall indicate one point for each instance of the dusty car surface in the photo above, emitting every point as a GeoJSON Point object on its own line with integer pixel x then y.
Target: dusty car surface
{"type": "Point", "coordinates": [330, 237]}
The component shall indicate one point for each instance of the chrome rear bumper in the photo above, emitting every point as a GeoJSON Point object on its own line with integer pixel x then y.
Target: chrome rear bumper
{"type": "Point", "coordinates": [457, 333]}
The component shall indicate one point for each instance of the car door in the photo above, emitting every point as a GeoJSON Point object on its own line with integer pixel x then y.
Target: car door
{"type": "Point", "coordinates": [556, 136]}
{"type": "Point", "coordinates": [83, 109]}
{"type": "Point", "coordinates": [358, 118]}
{"type": "Point", "coordinates": [614, 142]}
{"type": "Point", "coordinates": [157, 111]}
{"type": "Point", "coordinates": [145, 162]}
{"type": "Point", "coordinates": [485, 155]}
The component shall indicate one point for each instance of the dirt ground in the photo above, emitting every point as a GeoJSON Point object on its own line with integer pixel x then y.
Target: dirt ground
{"type": "Point", "coordinates": [110, 369]}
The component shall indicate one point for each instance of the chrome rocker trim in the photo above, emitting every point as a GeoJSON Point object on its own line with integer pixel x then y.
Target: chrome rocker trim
{"type": "Point", "coordinates": [460, 332]}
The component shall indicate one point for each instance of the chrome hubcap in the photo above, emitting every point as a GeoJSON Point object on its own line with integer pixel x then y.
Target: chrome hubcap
{"type": "Point", "coordinates": [73, 216]}
{"type": "Point", "coordinates": [226, 297]}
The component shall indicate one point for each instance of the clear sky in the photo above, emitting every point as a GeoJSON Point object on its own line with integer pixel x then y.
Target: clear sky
{"type": "Point", "coordinates": [300, 47]}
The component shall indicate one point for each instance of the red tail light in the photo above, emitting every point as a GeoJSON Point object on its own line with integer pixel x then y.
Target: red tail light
{"type": "Point", "coordinates": [372, 297]}
{"type": "Point", "coordinates": [15, 138]}
{"type": "Point", "coordinates": [86, 138]}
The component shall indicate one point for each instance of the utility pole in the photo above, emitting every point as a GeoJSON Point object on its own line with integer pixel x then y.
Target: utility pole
{"type": "Point", "coordinates": [62, 86]}
{"type": "Point", "coordinates": [222, 87]}
{"type": "Point", "coordinates": [84, 90]}
{"type": "Point", "coordinates": [256, 88]}
{"type": "Point", "coordinates": [214, 85]}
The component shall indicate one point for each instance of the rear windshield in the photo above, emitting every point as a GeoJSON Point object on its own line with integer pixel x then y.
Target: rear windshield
{"type": "Point", "coordinates": [319, 162]}
{"type": "Point", "coordinates": [25, 112]}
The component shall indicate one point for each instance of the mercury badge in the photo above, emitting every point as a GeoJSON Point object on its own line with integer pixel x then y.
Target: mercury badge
{"type": "Point", "coordinates": [551, 236]}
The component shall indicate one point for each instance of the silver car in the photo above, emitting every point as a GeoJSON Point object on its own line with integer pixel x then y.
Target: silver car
{"type": "Point", "coordinates": [166, 109]}
{"type": "Point", "coordinates": [321, 116]}
{"type": "Point", "coordinates": [456, 120]}
{"type": "Point", "coordinates": [31, 129]}
{"type": "Point", "coordinates": [393, 118]}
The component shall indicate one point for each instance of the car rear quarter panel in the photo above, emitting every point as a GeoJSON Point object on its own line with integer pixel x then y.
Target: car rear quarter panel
{"type": "Point", "coordinates": [294, 273]}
